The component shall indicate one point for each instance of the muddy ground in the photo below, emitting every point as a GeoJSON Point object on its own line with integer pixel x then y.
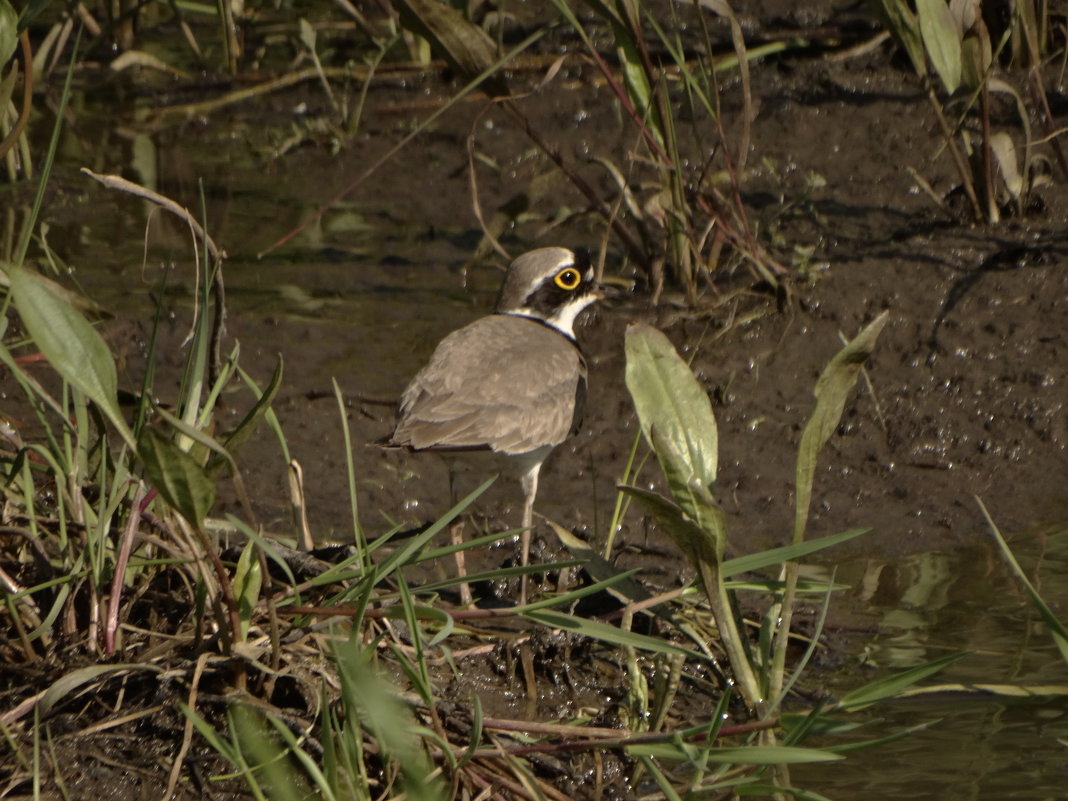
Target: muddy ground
{"type": "Point", "coordinates": [967, 385]}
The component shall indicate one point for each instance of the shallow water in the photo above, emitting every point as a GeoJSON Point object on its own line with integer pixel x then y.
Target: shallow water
{"type": "Point", "coordinates": [364, 294]}
{"type": "Point", "coordinates": [988, 738]}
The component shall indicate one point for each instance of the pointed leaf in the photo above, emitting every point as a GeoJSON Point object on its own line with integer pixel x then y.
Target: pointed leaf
{"type": "Point", "coordinates": [832, 389]}
{"type": "Point", "coordinates": [667, 395]}
{"type": "Point", "coordinates": [177, 476]}
{"type": "Point", "coordinates": [248, 579]}
{"type": "Point", "coordinates": [249, 423]}
{"type": "Point", "coordinates": [71, 345]}
{"type": "Point", "coordinates": [743, 755]}
{"type": "Point", "coordinates": [942, 38]}
{"type": "Point", "coordinates": [598, 567]}
{"type": "Point", "coordinates": [892, 686]}
{"type": "Point", "coordinates": [787, 553]}
{"type": "Point", "coordinates": [1004, 151]}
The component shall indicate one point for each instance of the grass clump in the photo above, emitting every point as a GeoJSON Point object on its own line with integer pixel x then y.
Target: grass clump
{"type": "Point", "coordinates": [956, 55]}
{"type": "Point", "coordinates": [327, 674]}
{"type": "Point", "coordinates": [329, 678]}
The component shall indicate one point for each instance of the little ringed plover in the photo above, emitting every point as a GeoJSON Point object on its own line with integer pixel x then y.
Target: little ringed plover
{"type": "Point", "coordinates": [513, 382]}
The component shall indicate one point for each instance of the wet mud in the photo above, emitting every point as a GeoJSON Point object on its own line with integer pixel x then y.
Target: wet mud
{"type": "Point", "coordinates": [965, 395]}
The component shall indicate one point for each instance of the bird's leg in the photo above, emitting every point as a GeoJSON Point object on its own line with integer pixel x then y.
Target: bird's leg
{"type": "Point", "coordinates": [456, 537]}
{"type": "Point", "coordinates": [529, 483]}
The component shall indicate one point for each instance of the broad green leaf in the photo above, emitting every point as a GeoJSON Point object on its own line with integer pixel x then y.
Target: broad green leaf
{"type": "Point", "coordinates": [941, 38]}
{"type": "Point", "coordinates": [690, 493]}
{"type": "Point", "coordinates": [705, 551]}
{"type": "Point", "coordinates": [976, 57]}
{"type": "Point", "coordinates": [666, 395]}
{"type": "Point", "coordinates": [832, 389]}
{"type": "Point", "coordinates": [895, 685]}
{"type": "Point", "coordinates": [9, 34]}
{"type": "Point", "coordinates": [180, 480]}
{"type": "Point", "coordinates": [370, 700]}
{"type": "Point", "coordinates": [72, 346]}
{"type": "Point", "coordinates": [607, 633]}
{"type": "Point", "coordinates": [271, 753]}
{"type": "Point", "coordinates": [1057, 629]}
{"type": "Point", "coordinates": [248, 579]}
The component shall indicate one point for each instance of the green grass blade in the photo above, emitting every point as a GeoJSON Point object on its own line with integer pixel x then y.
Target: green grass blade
{"type": "Point", "coordinates": [248, 580]}
{"type": "Point", "coordinates": [745, 755]}
{"type": "Point", "coordinates": [68, 684]}
{"type": "Point", "coordinates": [607, 633]}
{"type": "Point", "coordinates": [892, 686]}
{"type": "Point", "coordinates": [1056, 629]}
{"type": "Point", "coordinates": [250, 421]}
{"type": "Point", "coordinates": [776, 556]}
{"type": "Point", "coordinates": [894, 736]}
{"type": "Point", "coordinates": [404, 553]}
{"type": "Point", "coordinates": [50, 156]}
{"type": "Point", "coordinates": [350, 472]}
{"type": "Point", "coordinates": [267, 546]}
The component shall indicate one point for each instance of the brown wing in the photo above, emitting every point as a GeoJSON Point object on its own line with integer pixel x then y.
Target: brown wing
{"type": "Point", "coordinates": [503, 382]}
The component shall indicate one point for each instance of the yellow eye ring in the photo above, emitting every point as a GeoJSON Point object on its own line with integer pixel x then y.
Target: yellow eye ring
{"type": "Point", "coordinates": [569, 278]}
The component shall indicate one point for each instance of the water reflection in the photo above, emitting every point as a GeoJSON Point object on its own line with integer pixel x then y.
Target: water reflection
{"type": "Point", "coordinates": [982, 745]}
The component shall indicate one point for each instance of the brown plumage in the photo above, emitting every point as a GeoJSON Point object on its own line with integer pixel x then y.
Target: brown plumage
{"type": "Point", "coordinates": [503, 383]}
{"type": "Point", "coordinates": [514, 382]}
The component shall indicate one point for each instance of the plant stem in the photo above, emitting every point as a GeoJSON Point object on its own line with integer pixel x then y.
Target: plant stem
{"type": "Point", "coordinates": [958, 158]}
{"type": "Point", "coordinates": [731, 638]}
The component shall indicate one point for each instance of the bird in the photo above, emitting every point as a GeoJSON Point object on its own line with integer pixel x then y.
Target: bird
{"type": "Point", "coordinates": [512, 382]}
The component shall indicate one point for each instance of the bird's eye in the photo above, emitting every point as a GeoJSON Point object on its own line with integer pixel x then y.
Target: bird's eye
{"type": "Point", "coordinates": [568, 278]}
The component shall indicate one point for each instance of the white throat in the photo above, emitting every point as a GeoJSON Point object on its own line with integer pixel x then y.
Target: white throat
{"type": "Point", "coordinates": [564, 318]}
